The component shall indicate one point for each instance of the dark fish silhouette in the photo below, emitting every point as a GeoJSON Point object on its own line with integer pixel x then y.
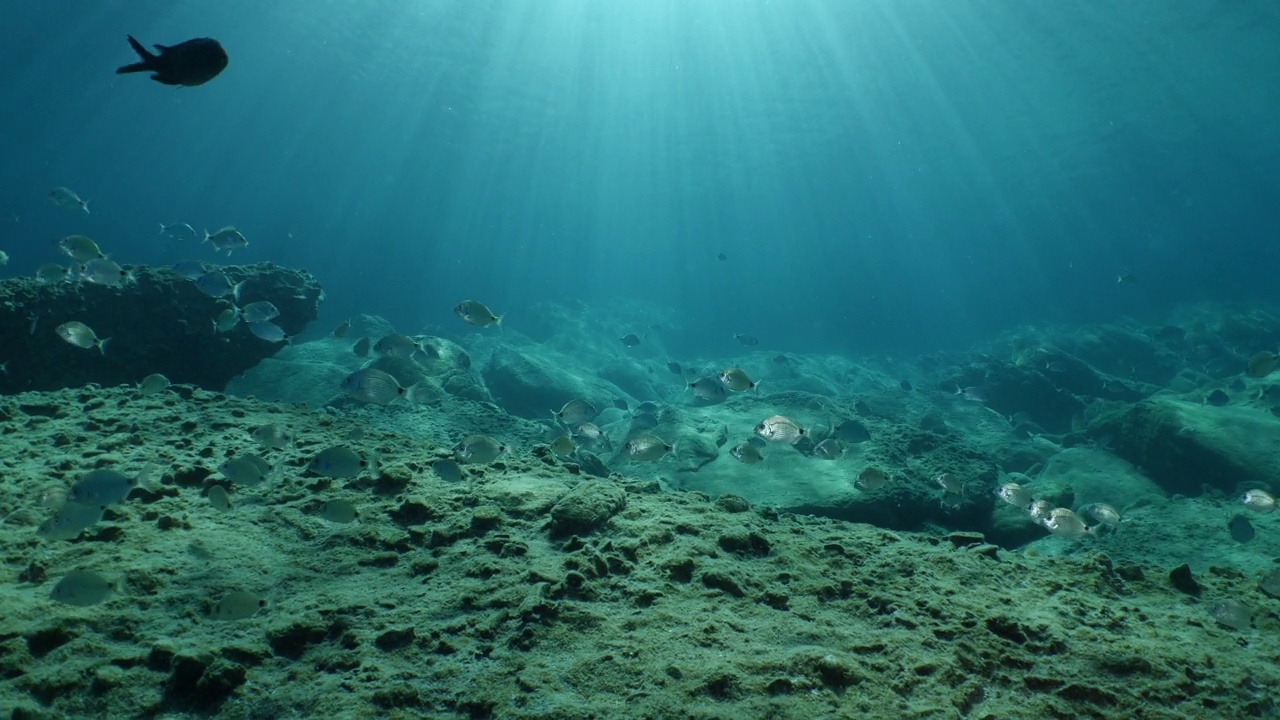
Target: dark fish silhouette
{"type": "Point", "coordinates": [190, 63]}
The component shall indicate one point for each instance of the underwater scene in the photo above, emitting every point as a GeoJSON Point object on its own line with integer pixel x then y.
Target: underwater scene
{"type": "Point", "coordinates": [688, 359]}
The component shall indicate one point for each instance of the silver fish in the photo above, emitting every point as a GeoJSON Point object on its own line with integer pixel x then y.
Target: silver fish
{"type": "Point", "coordinates": [189, 269]}
{"type": "Point", "coordinates": [371, 385]}
{"type": "Point", "coordinates": [736, 380]}
{"type": "Point", "coordinates": [236, 605]}
{"type": "Point", "coordinates": [746, 453]}
{"type": "Point", "coordinates": [152, 384]}
{"type": "Point", "coordinates": [340, 462]}
{"type": "Point", "coordinates": [247, 470]}
{"type": "Point", "coordinates": [268, 331]}
{"type": "Point", "coordinates": [828, 449]}
{"type": "Point", "coordinates": [274, 436]}
{"type": "Point", "coordinates": [228, 238]}
{"type": "Point", "coordinates": [66, 198]}
{"type": "Point", "coordinates": [227, 320]}
{"type": "Point", "coordinates": [70, 520]}
{"type": "Point", "coordinates": [102, 487]}
{"type": "Point", "coordinates": [647, 448]}
{"type": "Point", "coordinates": [361, 348]}
{"type": "Point", "coordinates": [178, 231]}
{"type": "Point", "coordinates": [80, 335]}
{"type": "Point", "coordinates": [871, 479]}
{"type": "Point", "coordinates": [216, 284]}
{"type": "Point", "coordinates": [478, 449]}
{"type": "Point", "coordinates": [339, 511]}
{"type": "Point", "coordinates": [399, 346]}
{"type": "Point", "coordinates": [576, 412]}
{"type": "Point", "coordinates": [82, 589]}
{"type": "Point", "coordinates": [260, 311]}
{"type": "Point", "coordinates": [708, 388]}
{"type": "Point", "coordinates": [779, 429]}
{"type": "Point", "coordinates": [102, 271]}
{"type": "Point", "coordinates": [80, 248]}
{"type": "Point", "coordinates": [474, 312]}
{"type": "Point", "coordinates": [52, 274]}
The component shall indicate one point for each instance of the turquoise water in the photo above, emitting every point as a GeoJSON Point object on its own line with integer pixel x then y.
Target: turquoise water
{"type": "Point", "coordinates": [881, 176]}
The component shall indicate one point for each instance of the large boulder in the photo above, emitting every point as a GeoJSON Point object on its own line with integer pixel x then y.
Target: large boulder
{"type": "Point", "coordinates": [160, 323]}
{"type": "Point", "coordinates": [531, 387]}
{"type": "Point", "coordinates": [1185, 446]}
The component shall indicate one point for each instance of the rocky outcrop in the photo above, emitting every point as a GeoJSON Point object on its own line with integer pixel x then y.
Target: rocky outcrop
{"type": "Point", "coordinates": [160, 323]}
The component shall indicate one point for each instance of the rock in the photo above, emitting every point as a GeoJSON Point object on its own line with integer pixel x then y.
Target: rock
{"type": "Point", "coordinates": [586, 508]}
{"type": "Point", "coordinates": [159, 323]}
{"type": "Point", "coordinates": [532, 387]}
{"type": "Point", "coordinates": [1184, 446]}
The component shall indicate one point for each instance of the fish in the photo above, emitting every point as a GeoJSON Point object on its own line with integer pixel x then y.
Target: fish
{"type": "Point", "coordinates": [178, 231]}
{"type": "Point", "coordinates": [399, 346]}
{"type": "Point", "coordinates": [152, 384]}
{"type": "Point", "coordinates": [189, 269]}
{"type": "Point", "coordinates": [779, 429]}
{"type": "Point", "coordinates": [361, 348]}
{"type": "Point", "coordinates": [236, 605]}
{"type": "Point", "coordinates": [274, 436]}
{"type": "Point", "coordinates": [871, 479]}
{"type": "Point", "coordinates": [219, 498]}
{"type": "Point", "coordinates": [216, 284]}
{"type": "Point", "coordinates": [630, 339]}
{"type": "Point", "coordinates": [343, 328]}
{"type": "Point", "coordinates": [268, 331]}
{"type": "Point", "coordinates": [1233, 614]}
{"type": "Point", "coordinates": [228, 238]}
{"type": "Point", "coordinates": [905, 386]}
{"type": "Point", "coordinates": [1015, 495]}
{"type": "Point", "coordinates": [721, 257]}
{"type": "Point", "coordinates": [590, 436]}
{"type": "Point", "coordinates": [4, 258]}
{"type": "Point", "coordinates": [448, 470]}
{"type": "Point", "coordinates": [563, 446]}
{"type": "Point", "coordinates": [374, 386]}
{"type": "Point", "coordinates": [1125, 279]}
{"type": "Point", "coordinates": [52, 273]}
{"type": "Point", "coordinates": [1063, 522]}
{"type": "Point", "coordinates": [644, 421]}
{"type": "Point", "coordinates": [82, 589]}
{"type": "Point", "coordinates": [227, 320]}
{"type": "Point", "coordinates": [1240, 528]}
{"type": "Point", "coordinates": [1262, 364]}
{"type": "Point", "coordinates": [80, 335]}
{"type": "Point", "coordinates": [746, 453]}
{"type": "Point", "coordinates": [1260, 500]}
{"type": "Point", "coordinates": [576, 412]}
{"type": "Point", "coordinates": [102, 487]}
{"type": "Point", "coordinates": [748, 340]}
{"type": "Point", "coordinates": [474, 312]}
{"type": "Point", "coordinates": [340, 512]}
{"type": "Point", "coordinates": [260, 311]}
{"type": "Point", "coordinates": [647, 448]}
{"type": "Point", "coordinates": [736, 380]}
{"type": "Point", "coordinates": [1270, 584]}
{"type": "Point", "coordinates": [340, 462]}
{"type": "Point", "coordinates": [248, 470]}
{"type": "Point", "coordinates": [70, 520]}
{"type": "Point", "coordinates": [1217, 398]}
{"type": "Point", "coordinates": [66, 198]}
{"type": "Point", "coordinates": [674, 368]}
{"type": "Point", "coordinates": [1103, 514]}
{"type": "Point", "coordinates": [708, 388]}
{"type": "Point", "coordinates": [850, 431]}
{"type": "Point", "coordinates": [80, 248]}
{"type": "Point", "coordinates": [828, 449]}
{"type": "Point", "coordinates": [102, 271]}
{"type": "Point", "coordinates": [188, 64]}
{"type": "Point", "coordinates": [478, 449]}
{"type": "Point", "coordinates": [976, 394]}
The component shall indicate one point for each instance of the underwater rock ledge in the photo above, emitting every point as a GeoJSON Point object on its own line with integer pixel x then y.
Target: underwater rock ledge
{"type": "Point", "coordinates": [161, 323]}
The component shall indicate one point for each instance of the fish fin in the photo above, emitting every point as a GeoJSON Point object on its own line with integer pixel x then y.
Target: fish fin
{"type": "Point", "coordinates": [102, 345]}
{"type": "Point", "coordinates": [159, 47]}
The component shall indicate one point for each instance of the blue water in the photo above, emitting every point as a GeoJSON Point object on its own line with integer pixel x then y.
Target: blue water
{"type": "Point", "coordinates": [883, 176]}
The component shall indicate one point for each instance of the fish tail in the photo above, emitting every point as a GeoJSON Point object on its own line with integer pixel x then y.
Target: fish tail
{"type": "Point", "coordinates": [206, 236]}
{"type": "Point", "coordinates": [102, 345]}
{"type": "Point", "coordinates": [498, 320]}
{"type": "Point", "coordinates": [235, 291]}
{"type": "Point", "coordinates": [143, 53]}
{"type": "Point", "coordinates": [162, 228]}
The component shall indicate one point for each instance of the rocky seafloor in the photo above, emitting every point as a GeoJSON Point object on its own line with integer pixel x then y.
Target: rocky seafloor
{"type": "Point", "coordinates": [691, 587]}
